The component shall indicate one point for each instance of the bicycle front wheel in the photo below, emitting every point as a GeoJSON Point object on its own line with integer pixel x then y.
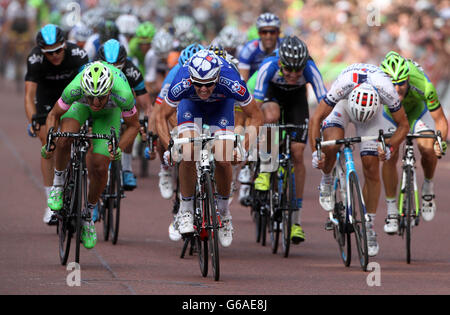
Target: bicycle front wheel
{"type": "Point", "coordinates": [64, 227]}
{"type": "Point", "coordinates": [408, 210]}
{"type": "Point", "coordinates": [114, 201]}
{"type": "Point", "coordinates": [287, 206]}
{"type": "Point", "coordinates": [213, 224]}
{"type": "Point", "coordinates": [359, 221]}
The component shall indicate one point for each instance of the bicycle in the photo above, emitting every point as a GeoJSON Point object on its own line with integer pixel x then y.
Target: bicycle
{"type": "Point", "coordinates": [282, 198]}
{"type": "Point", "coordinates": [349, 214]}
{"type": "Point", "coordinates": [206, 217]}
{"type": "Point", "coordinates": [409, 205]}
{"type": "Point", "coordinates": [69, 218]}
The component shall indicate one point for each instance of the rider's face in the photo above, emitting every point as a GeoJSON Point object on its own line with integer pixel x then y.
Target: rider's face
{"type": "Point", "coordinates": [55, 53]}
{"type": "Point", "coordinates": [97, 103]}
{"type": "Point", "coordinates": [402, 89]}
{"type": "Point", "coordinates": [269, 37]}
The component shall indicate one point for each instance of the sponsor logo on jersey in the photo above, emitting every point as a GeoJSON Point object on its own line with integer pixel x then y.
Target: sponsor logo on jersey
{"type": "Point", "coordinates": [36, 59]}
{"type": "Point", "coordinates": [233, 86]}
{"type": "Point", "coordinates": [75, 92]}
{"type": "Point", "coordinates": [187, 115]}
{"type": "Point", "coordinates": [79, 52]}
{"type": "Point", "coordinates": [180, 87]}
{"type": "Point", "coordinates": [133, 73]}
{"type": "Point", "coordinates": [223, 122]}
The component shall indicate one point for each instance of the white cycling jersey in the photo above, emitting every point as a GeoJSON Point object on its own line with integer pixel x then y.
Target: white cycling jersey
{"type": "Point", "coordinates": [359, 73]}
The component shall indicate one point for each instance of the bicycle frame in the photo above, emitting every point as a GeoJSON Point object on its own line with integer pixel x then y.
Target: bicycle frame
{"type": "Point", "coordinates": [408, 160]}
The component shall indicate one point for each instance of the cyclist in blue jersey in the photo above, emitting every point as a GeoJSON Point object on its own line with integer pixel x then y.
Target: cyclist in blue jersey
{"type": "Point", "coordinates": [281, 89]}
{"type": "Point", "coordinates": [256, 50]}
{"type": "Point", "coordinates": [165, 174]}
{"type": "Point", "coordinates": [204, 91]}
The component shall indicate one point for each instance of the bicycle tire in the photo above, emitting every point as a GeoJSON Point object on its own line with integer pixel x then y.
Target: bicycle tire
{"type": "Point", "coordinates": [287, 210]}
{"type": "Point", "coordinates": [409, 193]}
{"type": "Point", "coordinates": [213, 227]}
{"type": "Point", "coordinates": [201, 234]}
{"type": "Point", "coordinates": [274, 219]}
{"type": "Point", "coordinates": [359, 221]}
{"type": "Point", "coordinates": [64, 227]}
{"type": "Point", "coordinates": [81, 199]}
{"type": "Point", "coordinates": [116, 191]}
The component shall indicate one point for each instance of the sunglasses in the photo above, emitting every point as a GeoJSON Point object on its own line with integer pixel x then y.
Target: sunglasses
{"type": "Point", "coordinates": [401, 83]}
{"type": "Point", "coordinates": [265, 32]}
{"type": "Point", "coordinates": [291, 69]}
{"type": "Point", "coordinates": [200, 85]}
{"type": "Point", "coordinates": [100, 98]}
{"type": "Point", "coordinates": [54, 51]}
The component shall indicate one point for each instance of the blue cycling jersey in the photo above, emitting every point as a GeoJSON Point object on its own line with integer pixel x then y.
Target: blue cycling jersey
{"type": "Point", "coordinates": [269, 72]}
{"type": "Point", "coordinates": [166, 83]}
{"type": "Point", "coordinates": [252, 55]}
{"type": "Point", "coordinates": [229, 86]}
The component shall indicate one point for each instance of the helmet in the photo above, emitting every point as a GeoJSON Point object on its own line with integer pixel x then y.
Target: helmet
{"type": "Point", "coordinates": [363, 102]}
{"type": "Point", "coordinates": [204, 66]}
{"type": "Point", "coordinates": [187, 38]}
{"type": "Point", "coordinates": [108, 30]}
{"type": "Point", "coordinates": [293, 52]}
{"type": "Point", "coordinates": [162, 43]}
{"type": "Point", "coordinates": [218, 50]}
{"type": "Point", "coordinates": [268, 19]}
{"type": "Point", "coordinates": [50, 34]}
{"type": "Point", "coordinates": [182, 24]}
{"type": "Point", "coordinates": [230, 37]}
{"type": "Point", "coordinates": [80, 32]}
{"type": "Point", "coordinates": [97, 79]}
{"type": "Point", "coordinates": [127, 24]}
{"type": "Point", "coordinates": [112, 52]}
{"type": "Point", "coordinates": [188, 52]}
{"type": "Point", "coordinates": [395, 66]}
{"type": "Point", "coordinates": [145, 32]}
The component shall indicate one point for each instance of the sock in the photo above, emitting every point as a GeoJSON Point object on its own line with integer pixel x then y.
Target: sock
{"type": "Point", "coordinates": [187, 204]}
{"type": "Point", "coordinates": [222, 205]}
{"type": "Point", "coordinates": [59, 178]}
{"type": "Point", "coordinates": [391, 206]}
{"type": "Point", "coordinates": [90, 210]}
{"type": "Point", "coordinates": [126, 162]}
{"type": "Point", "coordinates": [326, 178]}
{"type": "Point", "coordinates": [372, 220]}
{"type": "Point", "coordinates": [296, 217]}
{"type": "Point", "coordinates": [427, 187]}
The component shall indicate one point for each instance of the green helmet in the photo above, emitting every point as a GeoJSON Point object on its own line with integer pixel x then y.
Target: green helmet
{"type": "Point", "coordinates": [97, 79]}
{"type": "Point", "coordinates": [395, 66]}
{"type": "Point", "coordinates": [145, 32]}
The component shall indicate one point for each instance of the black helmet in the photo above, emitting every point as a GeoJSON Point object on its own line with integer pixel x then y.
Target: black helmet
{"type": "Point", "coordinates": [49, 35]}
{"type": "Point", "coordinates": [293, 52]}
{"type": "Point", "coordinates": [112, 52]}
{"type": "Point", "coordinates": [108, 30]}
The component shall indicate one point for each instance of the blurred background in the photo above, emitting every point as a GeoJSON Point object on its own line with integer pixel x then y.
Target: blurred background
{"type": "Point", "coordinates": [338, 33]}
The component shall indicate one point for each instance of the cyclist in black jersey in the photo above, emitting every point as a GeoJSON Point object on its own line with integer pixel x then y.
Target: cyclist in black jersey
{"type": "Point", "coordinates": [51, 66]}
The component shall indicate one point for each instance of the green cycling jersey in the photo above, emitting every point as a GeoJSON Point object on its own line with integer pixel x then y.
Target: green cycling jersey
{"type": "Point", "coordinates": [121, 102]}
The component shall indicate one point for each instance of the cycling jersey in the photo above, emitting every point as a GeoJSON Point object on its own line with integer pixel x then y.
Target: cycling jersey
{"type": "Point", "coordinates": [270, 74]}
{"type": "Point", "coordinates": [153, 65]}
{"type": "Point", "coordinates": [358, 73]}
{"type": "Point", "coordinates": [166, 84]}
{"type": "Point", "coordinates": [134, 76]}
{"type": "Point", "coordinates": [420, 98]}
{"type": "Point", "coordinates": [252, 55]}
{"type": "Point", "coordinates": [121, 102]}
{"type": "Point", "coordinates": [51, 80]}
{"type": "Point", "coordinates": [93, 44]}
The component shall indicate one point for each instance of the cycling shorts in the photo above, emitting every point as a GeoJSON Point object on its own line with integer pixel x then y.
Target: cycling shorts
{"type": "Point", "coordinates": [293, 106]}
{"type": "Point", "coordinates": [102, 121]}
{"type": "Point", "coordinates": [420, 120]}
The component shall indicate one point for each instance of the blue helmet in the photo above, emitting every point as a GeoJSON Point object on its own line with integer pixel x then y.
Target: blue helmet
{"type": "Point", "coordinates": [188, 52]}
{"type": "Point", "coordinates": [112, 52]}
{"type": "Point", "coordinates": [268, 19]}
{"type": "Point", "coordinates": [204, 66]}
{"type": "Point", "coordinates": [49, 35]}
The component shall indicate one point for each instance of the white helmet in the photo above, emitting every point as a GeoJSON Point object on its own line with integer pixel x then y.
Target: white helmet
{"type": "Point", "coordinates": [363, 102]}
{"type": "Point", "coordinates": [204, 66]}
{"type": "Point", "coordinates": [127, 24]}
{"type": "Point", "coordinates": [230, 36]}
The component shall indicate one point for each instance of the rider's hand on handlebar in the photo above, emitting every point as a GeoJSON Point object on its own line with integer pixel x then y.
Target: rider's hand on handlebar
{"type": "Point", "coordinates": [384, 155]}
{"type": "Point", "coordinates": [112, 156]}
{"type": "Point", "coordinates": [437, 150]}
{"type": "Point", "coordinates": [316, 163]}
{"type": "Point", "coordinates": [30, 130]}
{"type": "Point", "coordinates": [45, 154]}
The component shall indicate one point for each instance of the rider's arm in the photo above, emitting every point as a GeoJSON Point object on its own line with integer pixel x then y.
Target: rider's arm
{"type": "Point", "coordinates": [59, 109]}
{"type": "Point", "coordinates": [256, 116]}
{"type": "Point", "coordinates": [315, 122]}
{"type": "Point", "coordinates": [401, 120]}
{"type": "Point", "coordinates": [30, 94]}
{"type": "Point", "coordinates": [440, 121]}
{"type": "Point", "coordinates": [131, 120]}
{"type": "Point", "coordinates": [162, 116]}
{"type": "Point", "coordinates": [314, 77]}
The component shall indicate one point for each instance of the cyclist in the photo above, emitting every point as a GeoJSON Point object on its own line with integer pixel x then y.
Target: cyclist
{"type": "Point", "coordinates": [108, 95]}
{"type": "Point", "coordinates": [281, 84]}
{"type": "Point", "coordinates": [141, 43]}
{"type": "Point", "coordinates": [51, 66]}
{"type": "Point", "coordinates": [127, 25]}
{"type": "Point", "coordinates": [114, 53]}
{"type": "Point", "coordinates": [425, 114]}
{"type": "Point", "coordinates": [356, 96]}
{"type": "Point", "coordinates": [80, 34]}
{"type": "Point", "coordinates": [256, 50]}
{"type": "Point", "coordinates": [165, 174]}
{"type": "Point", "coordinates": [205, 89]}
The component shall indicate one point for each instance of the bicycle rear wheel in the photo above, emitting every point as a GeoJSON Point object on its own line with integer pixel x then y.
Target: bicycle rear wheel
{"type": "Point", "coordinates": [342, 234]}
{"type": "Point", "coordinates": [81, 201]}
{"type": "Point", "coordinates": [287, 206]}
{"type": "Point", "coordinates": [274, 225]}
{"type": "Point", "coordinates": [359, 221]}
{"type": "Point", "coordinates": [213, 226]}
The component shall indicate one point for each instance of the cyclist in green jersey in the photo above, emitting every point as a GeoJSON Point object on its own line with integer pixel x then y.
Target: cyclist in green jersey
{"type": "Point", "coordinates": [102, 92]}
{"type": "Point", "coordinates": [425, 115]}
{"type": "Point", "coordinates": [141, 43]}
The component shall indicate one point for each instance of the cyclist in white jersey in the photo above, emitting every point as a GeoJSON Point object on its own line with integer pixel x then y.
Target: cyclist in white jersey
{"type": "Point", "coordinates": [357, 96]}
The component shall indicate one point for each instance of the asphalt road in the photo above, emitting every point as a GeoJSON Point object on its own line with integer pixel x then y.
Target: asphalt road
{"type": "Point", "coordinates": [145, 261]}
